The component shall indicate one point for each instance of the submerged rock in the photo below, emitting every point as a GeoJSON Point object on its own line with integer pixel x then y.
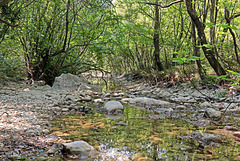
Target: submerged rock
{"type": "Point", "coordinates": [80, 148]}
{"type": "Point", "coordinates": [205, 138]}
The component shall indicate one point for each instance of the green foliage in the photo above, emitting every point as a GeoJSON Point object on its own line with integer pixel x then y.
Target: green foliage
{"type": "Point", "coordinates": [55, 37]}
{"type": "Point", "coordinates": [185, 59]}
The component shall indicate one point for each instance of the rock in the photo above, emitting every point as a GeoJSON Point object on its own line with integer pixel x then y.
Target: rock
{"type": "Point", "coordinates": [141, 88]}
{"type": "Point", "coordinates": [230, 128]}
{"type": "Point", "coordinates": [180, 107]}
{"type": "Point", "coordinates": [205, 138]}
{"type": "Point", "coordinates": [67, 82]}
{"type": "Point", "coordinates": [126, 100]}
{"type": "Point", "coordinates": [206, 104]}
{"type": "Point", "coordinates": [90, 87]}
{"type": "Point", "coordinates": [38, 83]}
{"type": "Point", "coordinates": [65, 109]}
{"type": "Point", "coordinates": [80, 148]}
{"type": "Point", "coordinates": [211, 113]}
{"type": "Point", "coordinates": [87, 98]}
{"type": "Point", "coordinates": [145, 92]}
{"type": "Point", "coordinates": [113, 106]}
{"type": "Point", "coordinates": [44, 88]}
{"type": "Point", "coordinates": [99, 100]}
{"type": "Point", "coordinates": [236, 134]}
{"type": "Point", "coordinates": [73, 82]}
{"type": "Point", "coordinates": [52, 150]}
{"type": "Point", "coordinates": [148, 101]}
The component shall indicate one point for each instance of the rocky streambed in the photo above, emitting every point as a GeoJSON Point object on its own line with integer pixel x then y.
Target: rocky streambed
{"type": "Point", "coordinates": [26, 111]}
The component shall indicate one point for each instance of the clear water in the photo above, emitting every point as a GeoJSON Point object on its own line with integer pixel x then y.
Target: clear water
{"type": "Point", "coordinates": [135, 134]}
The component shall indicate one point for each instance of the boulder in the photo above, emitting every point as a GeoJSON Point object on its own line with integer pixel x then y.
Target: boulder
{"type": "Point", "coordinates": [113, 106]}
{"type": "Point", "coordinates": [67, 82]}
{"type": "Point", "coordinates": [211, 113]}
{"type": "Point", "coordinates": [72, 82]}
{"type": "Point", "coordinates": [80, 148]}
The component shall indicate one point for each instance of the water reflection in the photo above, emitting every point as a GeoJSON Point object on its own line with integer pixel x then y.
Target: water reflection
{"type": "Point", "coordinates": [107, 85]}
{"type": "Point", "coordinates": [135, 133]}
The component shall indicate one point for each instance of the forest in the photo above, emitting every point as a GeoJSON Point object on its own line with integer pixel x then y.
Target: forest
{"type": "Point", "coordinates": [43, 39]}
{"type": "Point", "coordinates": [168, 70]}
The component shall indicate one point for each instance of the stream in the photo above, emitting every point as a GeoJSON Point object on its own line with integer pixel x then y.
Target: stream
{"type": "Point", "coordinates": [141, 134]}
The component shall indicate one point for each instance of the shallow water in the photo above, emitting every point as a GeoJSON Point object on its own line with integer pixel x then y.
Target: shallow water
{"type": "Point", "coordinates": [106, 84]}
{"type": "Point", "coordinates": [135, 134]}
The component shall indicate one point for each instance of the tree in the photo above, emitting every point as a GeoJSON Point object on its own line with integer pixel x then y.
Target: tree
{"type": "Point", "coordinates": [157, 62]}
{"type": "Point", "coordinates": [209, 54]}
{"type": "Point", "coordinates": [56, 34]}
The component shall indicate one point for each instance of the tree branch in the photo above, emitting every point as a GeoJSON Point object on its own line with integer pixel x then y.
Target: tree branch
{"type": "Point", "coordinates": [3, 21]}
{"type": "Point", "coordinates": [170, 4]}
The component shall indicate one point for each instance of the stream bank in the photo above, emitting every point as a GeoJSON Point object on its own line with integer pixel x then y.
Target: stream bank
{"type": "Point", "coordinates": [27, 109]}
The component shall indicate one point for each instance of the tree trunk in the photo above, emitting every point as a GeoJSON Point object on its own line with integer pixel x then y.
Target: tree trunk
{"type": "Point", "coordinates": [196, 51]}
{"type": "Point", "coordinates": [209, 54]}
{"type": "Point", "coordinates": [157, 62]}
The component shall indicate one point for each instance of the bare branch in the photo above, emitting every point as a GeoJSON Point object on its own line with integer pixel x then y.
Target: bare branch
{"type": "Point", "coordinates": [170, 4]}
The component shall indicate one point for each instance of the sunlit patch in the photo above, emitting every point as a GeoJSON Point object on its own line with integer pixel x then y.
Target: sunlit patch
{"type": "Point", "coordinates": [111, 155]}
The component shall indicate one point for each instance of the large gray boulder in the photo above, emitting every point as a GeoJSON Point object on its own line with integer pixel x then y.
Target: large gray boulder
{"type": "Point", "coordinates": [67, 82]}
{"type": "Point", "coordinates": [113, 106]}
{"type": "Point", "coordinates": [72, 82]}
{"type": "Point", "coordinates": [80, 148]}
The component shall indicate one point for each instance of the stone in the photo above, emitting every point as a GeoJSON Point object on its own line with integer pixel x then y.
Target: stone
{"type": "Point", "coordinates": [212, 113]}
{"type": "Point", "coordinates": [125, 100]}
{"type": "Point", "coordinates": [141, 88]}
{"type": "Point", "coordinates": [65, 109]}
{"type": "Point", "coordinates": [99, 100]}
{"type": "Point", "coordinates": [56, 108]}
{"type": "Point", "coordinates": [148, 101]}
{"type": "Point", "coordinates": [206, 104]}
{"type": "Point", "coordinates": [44, 88]}
{"type": "Point", "coordinates": [38, 83]}
{"type": "Point", "coordinates": [230, 128]}
{"type": "Point", "coordinates": [90, 87]}
{"type": "Point", "coordinates": [180, 107]}
{"type": "Point", "coordinates": [81, 148]}
{"type": "Point", "coordinates": [112, 106]}
{"type": "Point", "coordinates": [72, 82]}
{"type": "Point", "coordinates": [67, 82]}
{"type": "Point", "coordinates": [236, 134]}
{"type": "Point", "coordinates": [205, 138]}
{"type": "Point", "coordinates": [87, 98]}
{"type": "Point", "coordinates": [145, 92]}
